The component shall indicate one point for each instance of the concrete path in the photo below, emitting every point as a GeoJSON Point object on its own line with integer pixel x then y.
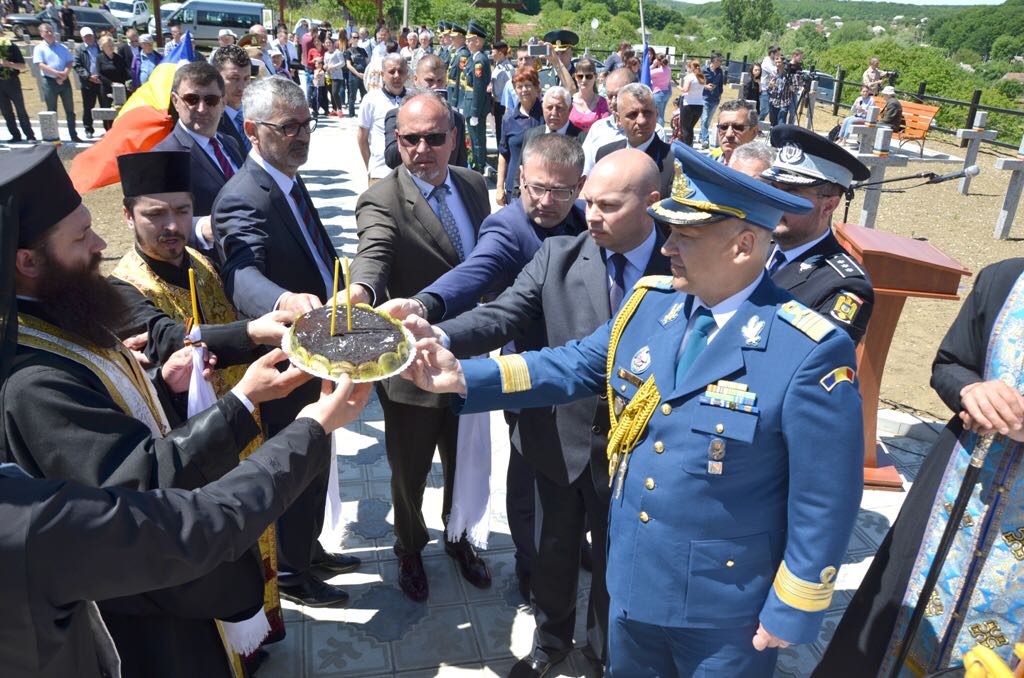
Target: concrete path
{"type": "Point", "coordinates": [460, 630]}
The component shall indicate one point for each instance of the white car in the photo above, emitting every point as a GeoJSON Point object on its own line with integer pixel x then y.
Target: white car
{"type": "Point", "coordinates": [166, 10]}
{"type": "Point", "coordinates": [131, 13]}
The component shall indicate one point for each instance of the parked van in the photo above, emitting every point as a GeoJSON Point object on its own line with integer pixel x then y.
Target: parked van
{"type": "Point", "coordinates": [167, 9]}
{"type": "Point", "coordinates": [205, 19]}
{"type": "Point", "coordinates": [131, 13]}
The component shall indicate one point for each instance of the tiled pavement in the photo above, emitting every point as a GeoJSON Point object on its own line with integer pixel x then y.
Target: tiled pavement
{"type": "Point", "coordinates": [460, 630]}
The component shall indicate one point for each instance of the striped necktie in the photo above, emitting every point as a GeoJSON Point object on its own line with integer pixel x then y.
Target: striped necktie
{"type": "Point", "coordinates": [776, 262]}
{"type": "Point", "coordinates": [222, 159]}
{"type": "Point", "coordinates": [246, 144]}
{"type": "Point", "coordinates": [447, 220]}
{"type": "Point", "coordinates": [617, 292]}
{"type": "Point", "coordinates": [309, 223]}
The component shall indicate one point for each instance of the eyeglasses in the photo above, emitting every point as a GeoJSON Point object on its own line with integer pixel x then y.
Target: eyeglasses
{"type": "Point", "coordinates": [557, 194]}
{"type": "Point", "coordinates": [192, 100]}
{"type": "Point", "coordinates": [433, 139]}
{"type": "Point", "coordinates": [738, 126]}
{"type": "Point", "coordinates": [585, 76]}
{"type": "Point", "coordinates": [291, 129]}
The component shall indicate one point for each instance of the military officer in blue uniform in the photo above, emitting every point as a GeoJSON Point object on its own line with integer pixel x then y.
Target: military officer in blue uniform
{"type": "Point", "coordinates": [476, 100]}
{"type": "Point", "coordinates": [458, 57]}
{"type": "Point", "coordinates": [735, 453]}
{"type": "Point", "coordinates": [807, 259]}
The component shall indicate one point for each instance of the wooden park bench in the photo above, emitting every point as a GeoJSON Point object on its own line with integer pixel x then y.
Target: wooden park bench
{"type": "Point", "coordinates": [917, 120]}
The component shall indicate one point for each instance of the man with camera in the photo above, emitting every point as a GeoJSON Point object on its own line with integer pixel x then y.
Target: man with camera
{"type": "Point", "coordinates": [874, 77]}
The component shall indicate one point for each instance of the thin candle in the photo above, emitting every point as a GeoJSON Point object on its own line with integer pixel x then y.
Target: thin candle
{"type": "Point", "coordinates": [348, 294]}
{"type": "Point", "coordinates": [195, 302]}
{"type": "Point", "coordinates": [334, 298]}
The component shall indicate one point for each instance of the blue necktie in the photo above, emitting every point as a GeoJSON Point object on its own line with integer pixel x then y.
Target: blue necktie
{"type": "Point", "coordinates": [246, 144]}
{"type": "Point", "coordinates": [776, 262]}
{"type": "Point", "coordinates": [696, 342]}
{"type": "Point", "coordinates": [617, 262]}
{"type": "Point", "coordinates": [447, 220]}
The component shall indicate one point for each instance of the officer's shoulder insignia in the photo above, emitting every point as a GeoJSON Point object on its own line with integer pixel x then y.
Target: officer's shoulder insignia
{"type": "Point", "coordinates": [836, 377]}
{"type": "Point", "coordinates": [847, 307]}
{"type": "Point", "coordinates": [671, 314]}
{"type": "Point", "coordinates": [654, 282]}
{"type": "Point", "coordinates": [804, 319]}
{"type": "Point", "coordinates": [846, 266]}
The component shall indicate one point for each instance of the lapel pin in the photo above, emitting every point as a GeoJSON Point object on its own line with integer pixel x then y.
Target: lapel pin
{"type": "Point", "coordinates": [752, 330]}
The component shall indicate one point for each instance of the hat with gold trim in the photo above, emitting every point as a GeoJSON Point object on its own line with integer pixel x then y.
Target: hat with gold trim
{"type": "Point", "coordinates": [561, 39]}
{"type": "Point", "coordinates": [442, 28]}
{"type": "Point", "coordinates": [455, 29]}
{"type": "Point", "coordinates": [475, 30]}
{"type": "Point", "coordinates": [706, 191]}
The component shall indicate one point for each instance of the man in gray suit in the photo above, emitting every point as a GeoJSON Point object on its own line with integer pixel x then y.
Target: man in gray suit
{"type": "Point", "coordinates": [276, 255]}
{"type": "Point", "coordinates": [571, 287]}
{"type": "Point", "coordinates": [414, 225]}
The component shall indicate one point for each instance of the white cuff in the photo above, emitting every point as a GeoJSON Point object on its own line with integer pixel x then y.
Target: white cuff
{"type": "Point", "coordinates": [200, 238]}
{"type": "Point", "coordinates": [245, 401]}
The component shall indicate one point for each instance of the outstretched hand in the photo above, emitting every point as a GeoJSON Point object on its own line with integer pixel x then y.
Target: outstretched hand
{"type": "Point", "coordinates": [339, 405]}
{"type": "Point", "coordinates": [436, 369]}
{"type": "Point", "coordinates": [420, 328]}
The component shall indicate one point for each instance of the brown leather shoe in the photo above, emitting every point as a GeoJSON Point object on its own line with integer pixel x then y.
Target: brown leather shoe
{"type": "Point", "coordinates": [412, 577]}
{"type": "Point", "coordinates": [473, 568]}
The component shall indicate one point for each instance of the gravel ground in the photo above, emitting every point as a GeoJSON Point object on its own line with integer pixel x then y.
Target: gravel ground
{"type": "Point", "coordinates": [960, 226]}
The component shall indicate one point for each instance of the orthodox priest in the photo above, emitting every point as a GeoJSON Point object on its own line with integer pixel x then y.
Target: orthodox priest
{"type": "Point", "coordinates": [979, 598]}
{"type": "Point", "coordinates": [153, 282]}
{"type": "Point", "coordinates": [63, 544]}
{"type": "Point", "coordinates": [77, 406]}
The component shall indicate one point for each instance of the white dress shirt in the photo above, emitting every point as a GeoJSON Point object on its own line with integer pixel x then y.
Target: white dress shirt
{"type": "Point", "coordinates": [373, 109]}
{"type": "Point", "coordinates": [456, 205]}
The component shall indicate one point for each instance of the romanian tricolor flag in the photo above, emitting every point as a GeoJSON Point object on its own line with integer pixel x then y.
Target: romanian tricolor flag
{"type": "Point", "coordinates": [141, 124]}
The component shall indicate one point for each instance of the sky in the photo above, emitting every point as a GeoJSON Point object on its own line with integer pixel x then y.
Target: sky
{"type": "Point", "coordinates": [903, 2]}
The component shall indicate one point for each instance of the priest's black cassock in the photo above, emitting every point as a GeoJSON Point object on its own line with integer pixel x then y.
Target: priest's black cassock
{"type": "Point", "coordinates": [858, 646]}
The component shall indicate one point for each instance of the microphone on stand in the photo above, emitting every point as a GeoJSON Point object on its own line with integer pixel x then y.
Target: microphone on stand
{"type": "Point", "coordinates": [971, 171]}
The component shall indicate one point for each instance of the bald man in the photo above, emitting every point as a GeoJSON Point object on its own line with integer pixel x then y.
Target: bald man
{"type": "Point", "coordinates": [566, 444]}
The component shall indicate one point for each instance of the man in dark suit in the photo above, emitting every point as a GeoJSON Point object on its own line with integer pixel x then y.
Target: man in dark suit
{"type": "Point", "coordinates": [276, 255]}
{"type": "Point", "coordinates": [550, 181]}
{"type": "Point", "coordinates": [415, 225]}
{"type": "Point", "coordinates": [570, 288]}
{"type": "Point", "coordinates": [557, 105]}
{"type": "Point", "coordinates": [431, 73]}
{"type": "Point", "coordinates": [198, 97]}
{"type": "Point", "coordinates": [638, 117]}
{"type": "Point", "coordinates": [235, 66]}
{"type": "Point", "coordinates": [86, 56]}
{"type": "Point", "coordinates": [130, 49]}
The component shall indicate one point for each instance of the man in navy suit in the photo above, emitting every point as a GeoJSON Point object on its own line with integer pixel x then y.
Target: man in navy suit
{"type": "Point", "coordinates": [235, 66]}
{"type": "Point", "coordinates": [198, 97]}
{"type": "Point", "coordinates": [276, 255]}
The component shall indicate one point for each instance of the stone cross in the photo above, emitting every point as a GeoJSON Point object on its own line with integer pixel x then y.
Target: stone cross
{"type": "Point", "coordinates": [865, 131]}
{"type": "Point", "coordinates": [49, 132]}
{"type": "Point", "coordinates": [975, 137]}
{"type": "Point", "coordinates": [1015, 166]}
{"type": "Point", "coordinates": [877, 160]}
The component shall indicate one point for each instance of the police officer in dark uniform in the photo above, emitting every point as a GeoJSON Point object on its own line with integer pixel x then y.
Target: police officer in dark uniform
{"type": "Point", "coordinates": [457, 60]}
{"type": "Point", "coordinates": [476, 101]}
{"type": "Point", "coordinates": [807, 259]}
{"type": "Point", "coordinates": [562, 42]}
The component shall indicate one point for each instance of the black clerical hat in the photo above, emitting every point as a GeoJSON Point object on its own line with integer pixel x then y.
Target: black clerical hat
{"type": "Point", "coordinates": [473, 29]}
{"type": "Point", "coordinates": [807, 159]}
{"type": "Point", "coordinates": [154, 172]}
{"type": "Point", "coordinates": [562, 39]}
{"type": "Point", "coordinates": [37, 190]}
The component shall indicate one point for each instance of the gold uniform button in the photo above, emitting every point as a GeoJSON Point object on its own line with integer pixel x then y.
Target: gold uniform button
{"type": "Point", "coordinates": [649, 483]}
{"type": "Point", "coordinates": [719, 428]}
{"type": "Point", "coordinates": [644, 517]}
{"type": "Point", "coordinates": [666, 409]}
{"type": "Point", "coordinates": [659, 446]}
{"type": "Point", "coordinates": [729, 563]}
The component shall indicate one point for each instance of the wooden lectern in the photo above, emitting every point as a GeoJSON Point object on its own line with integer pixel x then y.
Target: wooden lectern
{"type": "Point", "coordinates": [899, 267]}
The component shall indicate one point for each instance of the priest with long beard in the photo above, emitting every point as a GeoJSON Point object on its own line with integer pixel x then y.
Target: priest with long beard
{"type": "Point", "coordinates": [78, 406]}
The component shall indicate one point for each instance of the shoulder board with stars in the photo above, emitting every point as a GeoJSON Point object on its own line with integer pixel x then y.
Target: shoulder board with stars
{"type": "Point", "coordinates": [846, 266]}
{"type": "Point", "coordinates": [654, 282]}
{"type": "Point", "coordinates": [804, 319]}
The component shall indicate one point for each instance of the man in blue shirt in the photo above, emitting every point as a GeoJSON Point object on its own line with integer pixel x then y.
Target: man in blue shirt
{"type": "Point", "coordinates": [714, 85]}
{"type": "Point", "coordinates": [55, 63]}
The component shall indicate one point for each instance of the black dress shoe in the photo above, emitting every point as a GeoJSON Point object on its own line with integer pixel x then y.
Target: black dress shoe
{"type": "Point", "coordinates": [310, 591]}
{"type": "Point", "coordinates": [338, 563]}
{"type": "Point", "coordinates": [587, 556]}
{"type": "Point", "coordinates": [530, 667]}
{"type": "Point", "coordinates": [473, 568]}
{"type": "Point", "coordinates": [412, 577]}
{"type": "Point", "coordinates": [76, 139]}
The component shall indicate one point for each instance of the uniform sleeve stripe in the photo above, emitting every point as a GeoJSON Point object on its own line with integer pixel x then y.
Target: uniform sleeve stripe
{"type": "Point", "coordinates": [802, 595]}
{"type": "Point", "coordinates": [515, 374]}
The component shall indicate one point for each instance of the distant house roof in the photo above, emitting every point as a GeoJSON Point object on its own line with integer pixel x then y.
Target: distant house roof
{"type": "Point", "coordinates": [1019, 77]}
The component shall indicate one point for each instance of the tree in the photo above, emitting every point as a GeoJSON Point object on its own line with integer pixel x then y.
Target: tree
{"type": "Point", "coordinates": [747, 19]}
{"type": "Point", "coordinates": [1005, 47]}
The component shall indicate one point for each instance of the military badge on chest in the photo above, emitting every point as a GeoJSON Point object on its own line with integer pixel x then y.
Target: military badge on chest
{"type": "Point", "coordinates": [641, 360]}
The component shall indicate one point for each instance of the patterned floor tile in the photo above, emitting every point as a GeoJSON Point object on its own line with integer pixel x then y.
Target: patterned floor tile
{"type": "Point", "coordinates": [287, 658]}
{"type": "Point", "coordinates": [503, 629]}
{"type": "Point", "coordinates": [442, 578]}
{"type": "Point", "coordinates": [335, 649]}
{"type": "Point", "coordinates": [372, 520]}
{"type": "Point", "coordinates": [445, 636]}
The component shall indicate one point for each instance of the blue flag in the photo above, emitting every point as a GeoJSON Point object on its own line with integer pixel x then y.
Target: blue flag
{"type": "Point", "coordinates": [182, 52]}
{"type": "Point", "coordinates": [645, 66]}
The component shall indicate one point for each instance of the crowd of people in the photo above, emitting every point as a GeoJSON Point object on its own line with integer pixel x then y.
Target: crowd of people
{"type": "Point", "coordinates": [676, 326]}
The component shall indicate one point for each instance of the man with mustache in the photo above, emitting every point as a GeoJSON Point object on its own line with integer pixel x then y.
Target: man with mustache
{"type": "Point", "coordinates": [77, 406]}
{"type": "Point", "coordinates": [276, 255]}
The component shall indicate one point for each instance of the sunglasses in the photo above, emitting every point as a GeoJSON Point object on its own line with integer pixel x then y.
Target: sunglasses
{"type": "Point", "coordinates": [585, 76]}
{"type": "Point", "coordinates": [433, 139]}
{"type": "Point", "coordinates": [738, 126]}
{"type": "Point", "coordinates": [192, 100]}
